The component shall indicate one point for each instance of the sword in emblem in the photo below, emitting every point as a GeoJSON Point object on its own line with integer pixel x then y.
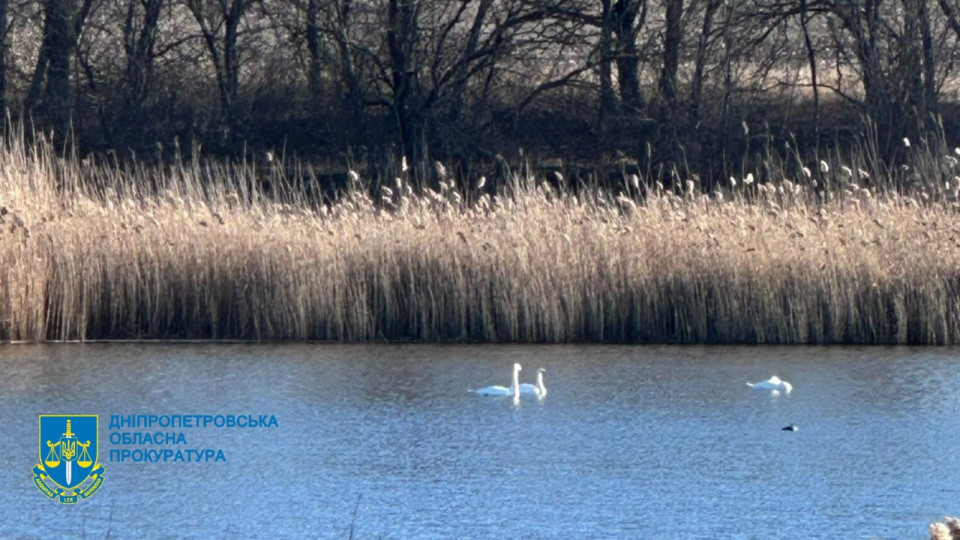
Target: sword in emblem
{"type": "Point", "coordinates": [69, 450]}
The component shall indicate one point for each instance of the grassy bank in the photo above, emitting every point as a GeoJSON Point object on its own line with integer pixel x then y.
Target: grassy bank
{"type": "Point", "coordinates": [189, 251]}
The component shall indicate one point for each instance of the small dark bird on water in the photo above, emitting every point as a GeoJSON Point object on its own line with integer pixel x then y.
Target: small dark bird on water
{"type": "Point", "coordinates": [791, 427]}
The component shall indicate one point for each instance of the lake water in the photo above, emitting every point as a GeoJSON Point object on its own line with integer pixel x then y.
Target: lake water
{"type": "Point", "coordinates": [380, 441]}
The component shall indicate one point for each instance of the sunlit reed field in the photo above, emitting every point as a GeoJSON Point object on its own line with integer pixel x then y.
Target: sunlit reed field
{"type": "Point", "coordinates": [190, 251]}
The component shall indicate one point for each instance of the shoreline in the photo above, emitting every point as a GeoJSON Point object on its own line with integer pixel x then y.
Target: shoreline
{"type": "Point", "coordinates": [411, 343]}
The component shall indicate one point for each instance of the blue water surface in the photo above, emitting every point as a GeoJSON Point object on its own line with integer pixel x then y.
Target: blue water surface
{"type": "Point", "coordinates": [385, 441]}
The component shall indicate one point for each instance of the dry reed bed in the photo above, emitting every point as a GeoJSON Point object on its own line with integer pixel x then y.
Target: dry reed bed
{"type": "Point", "coordinates": [202, 258]}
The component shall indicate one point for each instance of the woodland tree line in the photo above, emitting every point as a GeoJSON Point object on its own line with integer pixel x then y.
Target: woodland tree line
{"type": "Point", "coordinates": [676, 82]}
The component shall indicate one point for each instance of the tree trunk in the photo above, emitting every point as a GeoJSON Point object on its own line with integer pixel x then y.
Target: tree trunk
{"type": "Point", "coordinates": [348, 67]}
{"type": "Point", "coordinates": [608, 99]}
{"type": "Point", "coordinates": [224, 52]}
{"type": "Point", "coordinates": [865, 24]}
{"type": "Point", "coordinates": [49, 95]}
{"type": "Point", "coordinates": [812, 61]}
{"type": "Point", "coordinates": [463, 67]}
{"type": "Point", "coordinates": [138, 44]}
{"type": "Point", "coordinates": [669, 123]}
{"type": "Point", "coordinates": [628, 62]}
{"type": "Point", "coordinates": [700, 149]}
{"type": "Point", "coordinates": [401, 36]}
{"type": "Point", "coordinates": [911, 72]}
{"type": "Point", "coordinates": [314, 49]}
{"type": "Point", "coordinates": [929, 63]}
{"type": "Point", "coordinates": [954, 24]}
{"type": "Point", "coordinates": [672, 39]}
{"type": "Point", "coordinates": [231, 54]}
{"type": "Point", "coordinates": [696, 93]}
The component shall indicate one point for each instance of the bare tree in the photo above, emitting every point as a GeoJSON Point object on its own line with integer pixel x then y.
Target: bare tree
{"type": "Point", "coordinates": [139, 43]}
{"type": "Point", "coordinates": [49, 94]}
{"type": "Point", "coordinates": [462, 69]}
{"type": "Point", "coordinates": [219, 22]}
{"type": "Point", "coordinates": [611, 30]}
{"type": "Point", "coordinates": [893, 48]}
{"type": "Point", "coordinates": [703, 42]}
{"type": "Point", "coordinates": [438, 77]}
{"type": "Point", "coordinates": [341, 13]}
{"type": "Point", "coordinates": [314, 47]}
{"type": "Point", "coordinates": [629, 18]}
{"type": "Point", "coordinates": [441, 54]}
{"type": "Point", "coordinates": [402, 38]}
{"type": "Point", "coordinates": [672, 40]}
{"type": "Point", "coordinates": [607, 54]}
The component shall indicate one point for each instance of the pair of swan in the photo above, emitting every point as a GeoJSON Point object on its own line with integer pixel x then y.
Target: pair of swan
{"type": "Point", "coordinates": [516, 389]}
{"type": "Point", "coordinates": [773, 383]}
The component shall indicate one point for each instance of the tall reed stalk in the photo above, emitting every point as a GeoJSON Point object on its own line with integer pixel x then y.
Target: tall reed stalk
{"type": "Point", "coordinates": [99, 251]}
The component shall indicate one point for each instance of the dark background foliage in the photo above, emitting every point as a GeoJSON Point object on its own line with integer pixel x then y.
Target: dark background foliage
{"type": "Point", "coordinates": [594, 88]}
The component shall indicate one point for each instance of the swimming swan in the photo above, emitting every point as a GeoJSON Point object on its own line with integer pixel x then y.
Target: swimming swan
{"type": "Point", "coordinates": [514, 389]}
{"type": "Point", "coordinates": [773, 383]}
{"type": "Point", "coordinates": [539, 389]}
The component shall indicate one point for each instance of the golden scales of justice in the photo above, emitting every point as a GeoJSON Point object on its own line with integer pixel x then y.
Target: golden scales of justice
{"type": "Point", "coordinates": [68, 444]}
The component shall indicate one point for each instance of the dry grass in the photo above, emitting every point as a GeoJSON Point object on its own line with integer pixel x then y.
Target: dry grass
{"type": "Point", "coordinates": [197, 255]}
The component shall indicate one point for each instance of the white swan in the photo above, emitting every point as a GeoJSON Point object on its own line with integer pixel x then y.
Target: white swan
{"type": "Point", "coordinates": [539, 389]}
{"type": "Point", "coordinates": [773, 383]}
{"type": "Point", "coordinates": [514, 389]}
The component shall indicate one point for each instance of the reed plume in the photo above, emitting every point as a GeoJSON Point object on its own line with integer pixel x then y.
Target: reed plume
{"type": "Point", "coordinates": [198, 250]}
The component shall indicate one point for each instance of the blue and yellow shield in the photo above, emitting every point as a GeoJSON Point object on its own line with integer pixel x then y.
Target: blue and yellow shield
{"type": "Point", "coordinates": [68, 452]}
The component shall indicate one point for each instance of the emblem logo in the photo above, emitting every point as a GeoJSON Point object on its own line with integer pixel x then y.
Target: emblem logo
{"type": "Point", "coordinates": [68, 451]}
